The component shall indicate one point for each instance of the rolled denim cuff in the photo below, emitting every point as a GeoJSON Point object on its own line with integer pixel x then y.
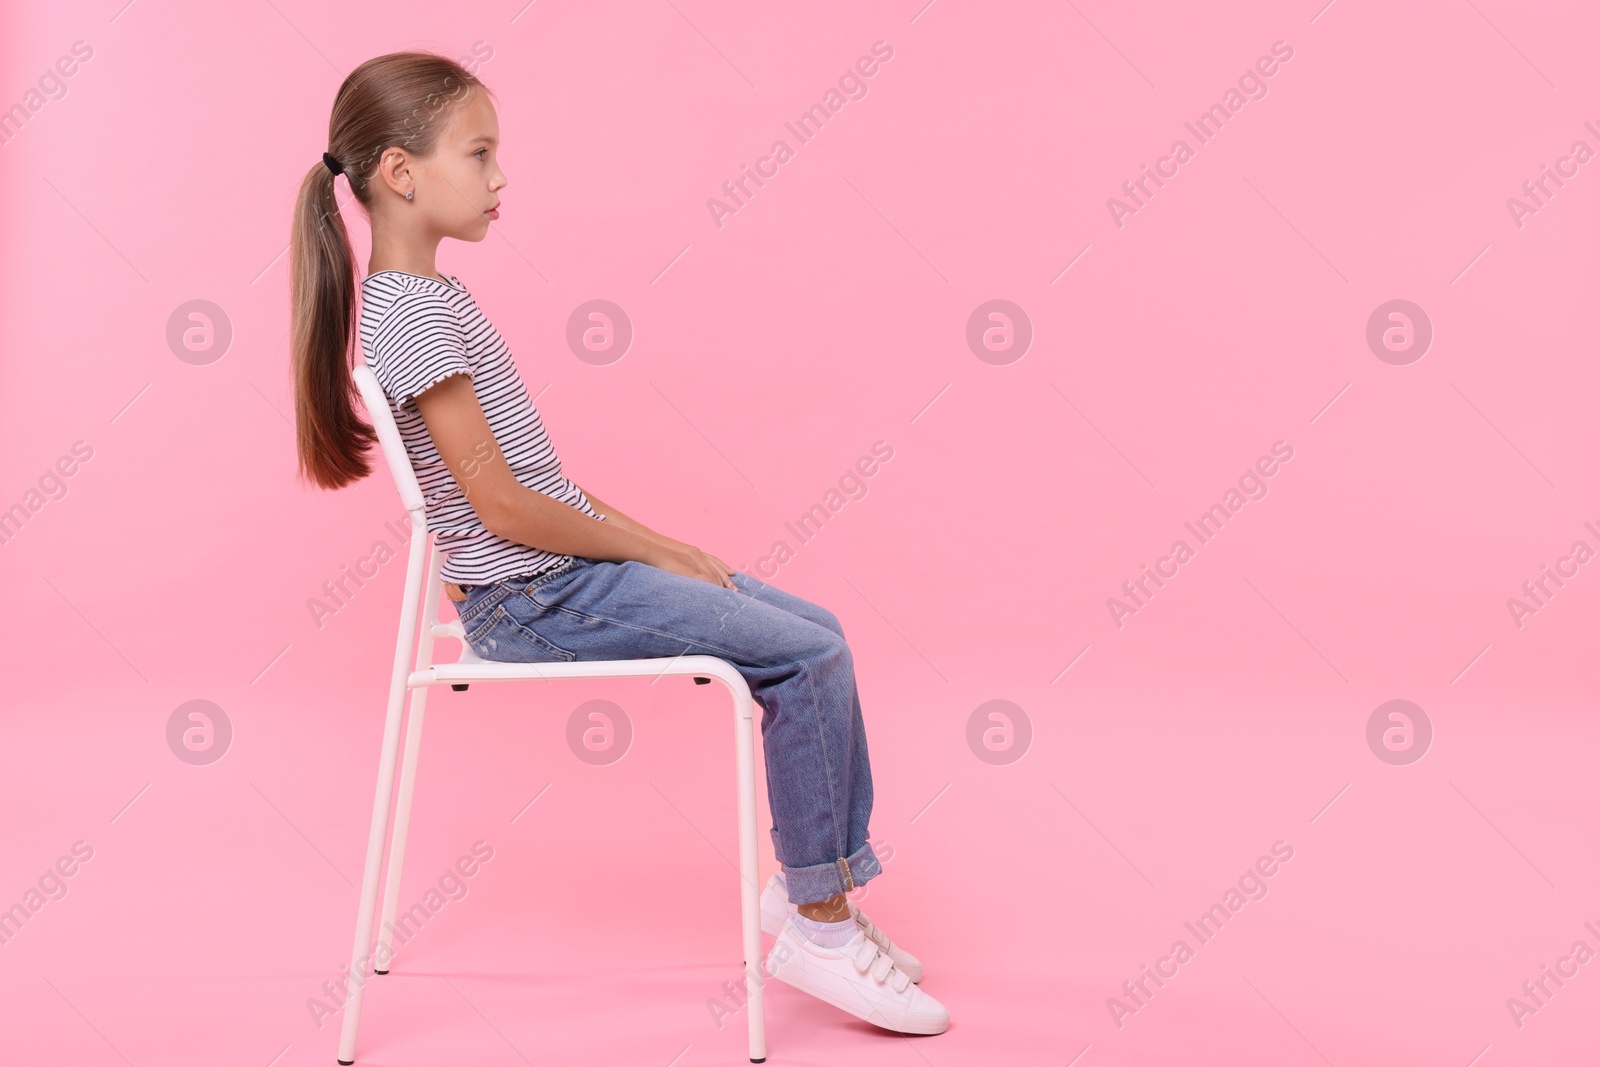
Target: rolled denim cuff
{"type": "Point", "coordinates": [810, 885]}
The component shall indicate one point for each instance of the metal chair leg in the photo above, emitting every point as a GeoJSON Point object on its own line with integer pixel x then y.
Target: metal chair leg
{"type": "Point", "coordinates": [749, 898]}
{"type": "Point", "coordinates": [402, 822]}
{"type": "Point", "coordinates": [408, 764]}
{"type": "Point", "coordinates": [359, 958]}
{"type": "Point", "coordinates": [369, 879]}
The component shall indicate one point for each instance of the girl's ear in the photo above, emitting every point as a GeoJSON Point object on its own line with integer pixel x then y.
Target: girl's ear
{"type": "Point", "coordinates": [394, 170]}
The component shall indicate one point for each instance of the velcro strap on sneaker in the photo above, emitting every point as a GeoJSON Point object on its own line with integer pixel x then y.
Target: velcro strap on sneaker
{"type": "Point", "coordinates": [869, 958]}
{"type": "Point", "coordinates": [872, 931]}
{"type": "Point", "coordinates": [865, 953]}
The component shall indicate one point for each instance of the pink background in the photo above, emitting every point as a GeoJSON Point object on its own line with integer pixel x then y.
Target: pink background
{"type": "Point", "coordinates": [1228, 313]}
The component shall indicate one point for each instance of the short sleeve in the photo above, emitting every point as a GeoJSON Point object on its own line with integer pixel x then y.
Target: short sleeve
{"type": "Point", "coordinates": [418, 344]}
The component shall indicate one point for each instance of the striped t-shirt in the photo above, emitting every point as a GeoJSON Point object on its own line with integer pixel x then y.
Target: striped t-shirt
{"type": "Point", "coordinates": [417, 331]}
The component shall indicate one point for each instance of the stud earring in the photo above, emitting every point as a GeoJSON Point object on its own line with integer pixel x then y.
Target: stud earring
{"type": "Point", "coordinates": [408, 195]}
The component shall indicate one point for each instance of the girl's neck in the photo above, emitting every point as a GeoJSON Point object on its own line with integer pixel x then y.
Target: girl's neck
{"type": "Point", "coordinates": [427, 271]}
{"type": "Point", "coordinates": [404, 256]}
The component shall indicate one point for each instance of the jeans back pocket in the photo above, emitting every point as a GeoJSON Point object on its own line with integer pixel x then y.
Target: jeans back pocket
{"type": "Point", "coordinates": [499, 636]}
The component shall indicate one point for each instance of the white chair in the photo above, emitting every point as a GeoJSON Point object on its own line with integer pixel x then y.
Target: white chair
{"type": "Point", "coordinates": [422, 573]}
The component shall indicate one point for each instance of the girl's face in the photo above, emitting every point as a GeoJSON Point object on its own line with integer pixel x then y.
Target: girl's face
{"type": "Point", "coordinates": [458, 186]}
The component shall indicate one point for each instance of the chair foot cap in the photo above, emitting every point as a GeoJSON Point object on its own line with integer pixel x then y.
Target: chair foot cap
{"type": "Point", "coordinates": [374, 972]}
{"type": "Point", "coordinates": [707, 681]}
{"type": "Point", "coordinates": [761, 1060]}
{"type": "Point", "coordinates": [458, 688]}
{"type": "Point", "coordinates": [346, 1063]}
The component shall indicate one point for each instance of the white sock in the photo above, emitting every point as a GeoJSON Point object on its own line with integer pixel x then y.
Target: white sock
{"type": "Point", "coordinates": [825, 935]}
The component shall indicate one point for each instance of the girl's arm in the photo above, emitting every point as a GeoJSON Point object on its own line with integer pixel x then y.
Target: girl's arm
{"type": "Point", "coordinates": [509, 509]}
{"type": "Point", "coordinates": [505, 506]}
{"type": "Point", "coordinates": [613, 515]}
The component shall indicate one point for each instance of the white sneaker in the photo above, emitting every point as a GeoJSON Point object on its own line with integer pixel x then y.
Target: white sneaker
{"type": "Point", "coordinates": [775, 912]}
{"type": "Point", "coordinates": [857, 977]}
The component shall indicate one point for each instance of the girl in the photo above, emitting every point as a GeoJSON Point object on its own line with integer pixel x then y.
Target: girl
{"type": "Point", "coordinates": [540, 569]}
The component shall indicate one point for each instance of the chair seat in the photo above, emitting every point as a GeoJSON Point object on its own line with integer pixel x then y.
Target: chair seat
{"type": "Point", "coordinates": [470, 667]}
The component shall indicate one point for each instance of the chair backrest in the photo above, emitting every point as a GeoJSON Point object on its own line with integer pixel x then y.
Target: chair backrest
{"type": "Point", "coordinates": [394, 447]}
{"type": "Point", "coordinates": [424, 557]}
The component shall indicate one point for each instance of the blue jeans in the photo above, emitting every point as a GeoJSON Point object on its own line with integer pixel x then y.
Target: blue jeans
{"type": "Point", "coordinates": [791, 652]}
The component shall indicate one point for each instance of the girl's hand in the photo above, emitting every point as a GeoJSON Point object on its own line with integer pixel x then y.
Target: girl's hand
{"type": "Point", "coordinates": [689, 561]}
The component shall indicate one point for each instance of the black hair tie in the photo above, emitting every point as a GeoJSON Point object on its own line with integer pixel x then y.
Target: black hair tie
{"type": "Point", "coordinates": [332, 164]}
